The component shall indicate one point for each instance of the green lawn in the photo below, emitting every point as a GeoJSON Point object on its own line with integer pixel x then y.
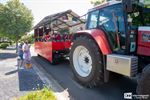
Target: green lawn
{"type": "Point", "coordinates": [44, 94]}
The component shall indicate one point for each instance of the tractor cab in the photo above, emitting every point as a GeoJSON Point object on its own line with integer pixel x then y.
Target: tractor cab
{"type": "Point", "coordinates": [120, 21]}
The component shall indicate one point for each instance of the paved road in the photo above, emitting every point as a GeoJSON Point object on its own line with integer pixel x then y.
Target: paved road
{"type": "Point", "coordinates": [114, 90]}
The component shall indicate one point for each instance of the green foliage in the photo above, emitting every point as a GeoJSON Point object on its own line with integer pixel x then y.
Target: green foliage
{"type": "Point", "coordinates": [15, 18]}
{"type": "Point", "coordinates": [4, 45]}
{"type": "Point", "coordinates": [137, 19]}
{"type": "Point", "coordinates": [62, 31]}
{"type": "Point", "coordinates": [44, 94]}
{"type": "Point", "coordinates": [97, 2]}
{"type": "Point", "coordinates": [28, 38]}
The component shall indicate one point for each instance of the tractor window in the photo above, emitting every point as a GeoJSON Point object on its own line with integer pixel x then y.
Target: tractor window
{"type": "Point", "coordinates": [112, 21]}
{"type": "Point", "coordinates": [106, 21]}
{"type": "Point", "coordinates": [93, 19]}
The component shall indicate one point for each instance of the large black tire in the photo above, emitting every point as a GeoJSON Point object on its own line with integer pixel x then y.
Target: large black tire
{"type": "Point", "coordinates": [143, 87]}
{"type": "Point", "coordinates": [96, 76]}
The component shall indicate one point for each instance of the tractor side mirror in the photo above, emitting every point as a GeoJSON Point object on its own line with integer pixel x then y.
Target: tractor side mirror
{"type": "Point", "coordinates": [127, 4]}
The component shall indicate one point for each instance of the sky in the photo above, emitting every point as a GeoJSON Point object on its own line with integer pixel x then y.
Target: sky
{"type": "Point", "coordinates": [42, 8]}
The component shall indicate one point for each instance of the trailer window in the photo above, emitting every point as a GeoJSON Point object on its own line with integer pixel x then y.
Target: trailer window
{"type": "Point", "coordinates": [93, 19]}
{"type": "Point", "coordinates": [35, 35]}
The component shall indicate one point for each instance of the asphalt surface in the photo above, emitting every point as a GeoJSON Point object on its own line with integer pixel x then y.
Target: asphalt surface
{"type": "Point", "coordinates": [114, 90]}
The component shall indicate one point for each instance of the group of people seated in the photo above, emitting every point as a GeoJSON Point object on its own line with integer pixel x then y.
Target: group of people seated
{"type": "Point", "coordinates": [56, 37]}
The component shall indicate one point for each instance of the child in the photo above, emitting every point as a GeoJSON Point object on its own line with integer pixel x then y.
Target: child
{"type": "Point", "coordinates": [20, 54]}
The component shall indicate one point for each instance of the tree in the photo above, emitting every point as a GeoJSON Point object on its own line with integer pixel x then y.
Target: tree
{"type": "Point", "coordinates": [16, 20]}
{"type": "Point", "coordinates": [29, 38]}
{"type": "Point", "coordinates": [97, 2]}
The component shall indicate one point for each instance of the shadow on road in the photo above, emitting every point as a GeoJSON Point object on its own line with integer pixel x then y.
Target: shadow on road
{"type": "Point", "coordinates": [29, 80]}
{"type": "Point", "coordinates": [11, 72]}
{"type": "Point", "coordinates": [4, 56]}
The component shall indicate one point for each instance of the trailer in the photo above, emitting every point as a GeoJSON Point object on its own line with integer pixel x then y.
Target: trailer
{"type": "Point", "coordinates": [116, 39]}
{"type": "Point", "coordinates": [53, 35]}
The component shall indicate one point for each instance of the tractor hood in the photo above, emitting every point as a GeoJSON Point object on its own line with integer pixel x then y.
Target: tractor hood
{"type": "Point", "coordinates": [145, 31]}
{"type": "Point", "coordinates": [144, 40]}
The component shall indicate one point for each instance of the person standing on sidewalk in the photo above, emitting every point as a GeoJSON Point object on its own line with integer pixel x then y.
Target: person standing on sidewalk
{"type": "Point", "coordinates": [27, 54]}
{"type": "Point", "coordinates": [20, 54]}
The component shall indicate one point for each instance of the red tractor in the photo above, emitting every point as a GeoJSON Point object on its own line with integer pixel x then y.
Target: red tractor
{"type": "Point", "coordinates": [117, 40]}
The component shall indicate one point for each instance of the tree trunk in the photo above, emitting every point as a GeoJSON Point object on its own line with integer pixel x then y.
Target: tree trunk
{"type": "Point", "coordinates": [16, 46]}
{"type": "Point", "coordinates": [16, 43]}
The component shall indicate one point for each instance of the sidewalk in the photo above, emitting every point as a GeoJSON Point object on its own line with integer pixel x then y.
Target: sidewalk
{"type": "Point", "coordinates": [15, 83]}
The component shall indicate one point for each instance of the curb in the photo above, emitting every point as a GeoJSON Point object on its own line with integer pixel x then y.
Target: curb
{"type": "Point", "coordinates": [59, 91]}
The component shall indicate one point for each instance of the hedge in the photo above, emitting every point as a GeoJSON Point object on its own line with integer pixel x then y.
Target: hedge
{"type": "Point", "coordinates": [4, 45]}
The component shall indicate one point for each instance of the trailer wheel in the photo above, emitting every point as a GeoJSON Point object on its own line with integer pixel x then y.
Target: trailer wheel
{"type": "Point", "coordinates": [38, 55]}
{"type": "Point", "coordinates": [86, 62]}
{"type": "Point", "coordinates": [143, 87]}
{"type": "Point", "coordinates": [55, 60]}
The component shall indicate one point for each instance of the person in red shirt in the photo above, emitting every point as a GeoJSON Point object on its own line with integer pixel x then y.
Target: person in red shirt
{"type": "Point", "coordinates": [47, 36]}
{"type": "Point", "coordinates": [57, 37]}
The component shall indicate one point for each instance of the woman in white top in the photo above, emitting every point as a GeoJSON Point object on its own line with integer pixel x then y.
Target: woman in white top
{"type": "Point", "coordinates": [26, 49]}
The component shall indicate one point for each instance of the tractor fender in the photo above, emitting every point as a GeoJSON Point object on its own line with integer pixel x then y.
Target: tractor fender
{"type": "Point", "coordinates": [98, 36]}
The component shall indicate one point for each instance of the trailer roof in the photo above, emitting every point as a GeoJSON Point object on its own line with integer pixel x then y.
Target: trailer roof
{"type": "Point", "coordinates": [61, 20]}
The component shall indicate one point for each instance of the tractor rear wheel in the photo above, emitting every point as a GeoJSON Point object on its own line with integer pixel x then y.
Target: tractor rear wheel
{"type": "Point", "coordinates": [143, 87]}
{"type": "Point", "coordinates": [86, 62]}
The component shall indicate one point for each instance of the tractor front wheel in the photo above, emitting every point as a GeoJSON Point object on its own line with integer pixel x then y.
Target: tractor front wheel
{"type": "Point", "coordinates": [86, 62]}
